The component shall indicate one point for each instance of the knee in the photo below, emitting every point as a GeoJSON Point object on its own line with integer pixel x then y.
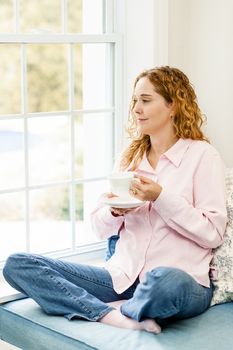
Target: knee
{"type": "Point", "coordinates": [13, 263]}
{"type": "Point", "coordinates": [168, 282]}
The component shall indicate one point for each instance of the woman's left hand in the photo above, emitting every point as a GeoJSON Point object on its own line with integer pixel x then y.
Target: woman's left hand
{"type": "Point", "coordinates": [145, 189]}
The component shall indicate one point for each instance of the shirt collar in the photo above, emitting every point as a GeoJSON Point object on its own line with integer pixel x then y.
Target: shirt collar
{"type": "Point", "coordinates": [176, 153]}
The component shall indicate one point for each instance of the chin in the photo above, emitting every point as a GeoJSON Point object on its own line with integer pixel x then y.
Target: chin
{"type": "Point", "coordinates": [142, 130]}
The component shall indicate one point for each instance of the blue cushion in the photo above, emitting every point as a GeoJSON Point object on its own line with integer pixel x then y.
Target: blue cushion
{"type": "Point", "coordinates": [25, 325]}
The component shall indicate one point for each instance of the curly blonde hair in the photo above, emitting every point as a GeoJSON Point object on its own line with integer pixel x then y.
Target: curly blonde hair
{"type": "Point", "coordinates": [174, 86]}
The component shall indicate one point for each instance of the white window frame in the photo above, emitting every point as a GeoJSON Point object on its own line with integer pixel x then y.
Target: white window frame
{"type": "Point", "coordinates": [109, 37]}
{"type": "Point", "coordinates": [140, 31]}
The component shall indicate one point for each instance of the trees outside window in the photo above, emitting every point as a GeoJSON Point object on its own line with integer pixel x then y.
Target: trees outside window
{"type": "Point", "coordinates": [57, 117]}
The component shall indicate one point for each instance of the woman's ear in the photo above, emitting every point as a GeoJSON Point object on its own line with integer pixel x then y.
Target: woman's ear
{"type": "Point", "coordinates": [172, 110]}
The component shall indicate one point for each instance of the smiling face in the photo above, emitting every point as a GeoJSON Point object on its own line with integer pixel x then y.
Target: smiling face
{"type": "Point", "coordinates": [152, 112]}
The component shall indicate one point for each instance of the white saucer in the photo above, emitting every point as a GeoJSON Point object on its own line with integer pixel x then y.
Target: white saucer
{"type": "Point", "coordinates": [119, 202]}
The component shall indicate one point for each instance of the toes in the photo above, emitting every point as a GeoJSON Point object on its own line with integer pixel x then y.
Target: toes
{"type": "Point", "coordinates": [151, 326]}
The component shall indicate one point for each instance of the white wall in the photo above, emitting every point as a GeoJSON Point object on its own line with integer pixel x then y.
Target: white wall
{"type": "Point", "coordinates": [200, 42]}
{"type": "Point", "coordinates": [135, 19]}
{"type": "Point", "coordinates": [195, 36]}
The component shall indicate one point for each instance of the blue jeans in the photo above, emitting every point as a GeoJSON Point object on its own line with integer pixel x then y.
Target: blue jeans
{"type": "Point", "coordinates": [111, 246]}
{"type": "Point", "coordinates": [75, 290]}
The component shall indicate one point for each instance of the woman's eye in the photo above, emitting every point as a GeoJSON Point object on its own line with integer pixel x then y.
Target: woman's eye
{"type": "Point", "coordinates": [145, 101]}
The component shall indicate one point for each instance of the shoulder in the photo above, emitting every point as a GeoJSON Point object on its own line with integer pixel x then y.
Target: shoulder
{"type": "Point", "coordinates": [206, 157]}
{"type": "Point", "coordinates": [203, 148]}
{"type": "Point", "coordinates": [202, 154]}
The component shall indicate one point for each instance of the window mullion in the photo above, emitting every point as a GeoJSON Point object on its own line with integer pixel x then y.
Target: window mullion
{"type": "Point", "coordinates": [16, 15]}
{"type": "Point", "coordinates": [106, 113]}
{"type": "Point", "coordinates": [58, 38]}
{"type": "Point", "coordinates": [118, 96]}
{"type": "Point", "coordinates": [110, 90]}
{"type": "Point", "coordinates": [71, 77]}
{"type": "Point", "coordinates": [108, 17]}
{"type": "Point", "coordinates": [55, 114]}
{"type": "Point", "coordinates": [64, 16]}
{"type": "Point", "coordinates": [72, 142]}
{"type": "Point", "coordinates": [26, 165]}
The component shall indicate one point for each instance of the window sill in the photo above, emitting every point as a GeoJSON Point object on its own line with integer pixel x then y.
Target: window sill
{"type": "Point", "coordinates": [7, 293]}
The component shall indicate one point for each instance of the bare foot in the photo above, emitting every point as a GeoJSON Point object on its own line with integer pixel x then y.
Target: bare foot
{"type": "Point", "coordinates": [115, 318]}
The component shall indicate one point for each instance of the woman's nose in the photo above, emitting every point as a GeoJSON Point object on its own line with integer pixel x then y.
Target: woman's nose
{"type": "Point", "coordinates": [137, 108]}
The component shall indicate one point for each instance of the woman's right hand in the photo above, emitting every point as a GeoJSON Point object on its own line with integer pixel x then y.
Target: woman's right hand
{"type": "Point", "coordinates": [117, 211]}
{"type": "Point", "coordinates": [120, 211]}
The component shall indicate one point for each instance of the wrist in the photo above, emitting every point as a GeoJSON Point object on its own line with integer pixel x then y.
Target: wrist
{"type": "Point", "coordinates": [158, 193]}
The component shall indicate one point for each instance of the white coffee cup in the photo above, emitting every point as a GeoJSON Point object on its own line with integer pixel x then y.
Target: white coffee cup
{"type": "Point", "coordinates": [120, 182]}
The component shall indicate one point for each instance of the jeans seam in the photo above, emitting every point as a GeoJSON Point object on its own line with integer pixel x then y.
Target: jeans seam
{"type": "Point", "coordinates": [68, 294]}
{"type": "Point", "coordinates": [94, 318]}
{"type": "Point", "coordinates": [64, 289]}
{"type": "Point", "coordinates": [167, 313]}
{"type": "Point", "coordinates": [98, 282]}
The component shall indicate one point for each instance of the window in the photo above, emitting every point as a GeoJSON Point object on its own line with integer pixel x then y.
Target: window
{"type": "Point", "coordinates": [60, 74]}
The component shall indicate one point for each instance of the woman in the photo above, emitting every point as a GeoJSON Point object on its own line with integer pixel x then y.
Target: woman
{"type": "Point", "coordinates": [160, 269]}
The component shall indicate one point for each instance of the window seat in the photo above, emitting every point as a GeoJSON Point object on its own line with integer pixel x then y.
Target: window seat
{"type": "Point", "coordinates": [25, 325]}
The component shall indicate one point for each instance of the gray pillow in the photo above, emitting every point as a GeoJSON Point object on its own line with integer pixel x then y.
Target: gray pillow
{"type": "Point", "coordinates": [223, 255]}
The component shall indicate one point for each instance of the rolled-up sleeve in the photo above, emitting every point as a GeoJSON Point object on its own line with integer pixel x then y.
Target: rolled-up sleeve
{"type": "Point", "coordinates": [104, 224]}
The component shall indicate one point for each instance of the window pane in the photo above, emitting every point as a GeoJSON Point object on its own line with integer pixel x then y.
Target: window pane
{"type": "Point", "coordinates": [11, 153]}
{"type": "Point", "coordinates": [95, 82]}
{"type": "Point", "coordinates": [50, 226]}
{"type": "Point", "coordinates": [42, 15]}
{"type": "Point", "coordinates": [12, 226]}
{"type": "Point", "coordinates": [49, 156]}
{"type": "Point", "coordinates": [93, 145]}
{"type": "Point", "coordinates": [39, 148]}
{"type": "Point", "coordinates": [47, 77]}
{"type": "Point", "coordinates": [78, 76]}
{"type": "Point", "coordinates": [89, 192]}
{"type": "Point", "coordinates": [10, 75]}
{"type": "Point", "coordinates": [85, 16]}
{"type": "Point", "coordinates": [79, 205]}
{"type": "Point", "coordinates": [6, 16]}
{"type": "Point", "coordinates": [74, 16]}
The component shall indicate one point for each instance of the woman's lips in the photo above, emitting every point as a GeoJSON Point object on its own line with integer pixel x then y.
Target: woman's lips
{"type": "Point", "coordinates": [142, 120]}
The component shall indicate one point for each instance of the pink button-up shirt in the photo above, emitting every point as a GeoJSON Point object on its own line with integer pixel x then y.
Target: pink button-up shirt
{"type": "Point", "coordinates": [180, 228]}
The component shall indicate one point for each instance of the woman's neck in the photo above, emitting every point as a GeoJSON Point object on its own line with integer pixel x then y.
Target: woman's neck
{"type": "Point", "coordinates": [160, 146]}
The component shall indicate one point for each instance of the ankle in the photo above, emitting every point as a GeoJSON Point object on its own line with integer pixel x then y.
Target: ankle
{"type": "Point", "coordinates": [115, 318]}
